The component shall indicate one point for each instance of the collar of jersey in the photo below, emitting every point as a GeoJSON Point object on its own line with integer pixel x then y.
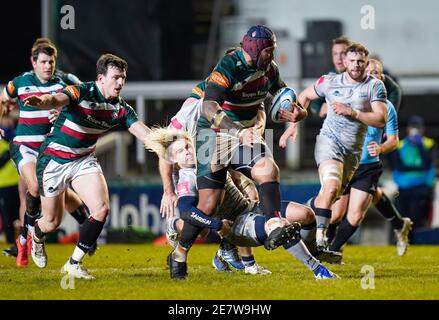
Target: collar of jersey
{"type": "Point", "coordinates": [242, 58]}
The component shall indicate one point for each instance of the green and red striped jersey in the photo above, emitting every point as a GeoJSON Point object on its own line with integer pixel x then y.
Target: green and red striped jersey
{"type": "Point", "coordinates": [88, 116]}
{"type": "Point", "coordinates": [33, 124]}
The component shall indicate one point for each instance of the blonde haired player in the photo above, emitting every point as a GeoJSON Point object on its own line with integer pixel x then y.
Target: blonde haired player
{"type": "Point", "coordinates": [355, 101]}
{"type": "Point", "coordinates": [248, 227]}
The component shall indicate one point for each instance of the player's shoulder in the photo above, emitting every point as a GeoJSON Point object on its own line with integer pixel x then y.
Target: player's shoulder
{"type": "Point", "coordinates": [328, 78]}
{"type": "Point", "coordinates": [67, 78]}
{"type": "Point", "coordinates": [28, 76]}
{"type": "Point", "coordinates": [372, 81]}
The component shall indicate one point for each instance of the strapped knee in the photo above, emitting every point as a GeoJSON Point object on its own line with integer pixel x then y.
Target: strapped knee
{"type": "Point", "coordinates": [331, 172]}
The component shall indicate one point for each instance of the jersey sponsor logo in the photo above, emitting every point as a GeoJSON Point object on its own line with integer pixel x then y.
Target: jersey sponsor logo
{"type": "Point", "coordinates": [362, 95]}
{"type": "Point", "coordinates": [219, 79]}
{"type": "Point", "coordinates": [73, 92]}
{"type": "Point", "coordinates": [183, 188]}
{"type": "Point", "coordinates": [11, 87]}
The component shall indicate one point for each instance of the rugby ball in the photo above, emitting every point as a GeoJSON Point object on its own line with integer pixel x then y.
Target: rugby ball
{"type": "Point", "coordinates": [282, 99]}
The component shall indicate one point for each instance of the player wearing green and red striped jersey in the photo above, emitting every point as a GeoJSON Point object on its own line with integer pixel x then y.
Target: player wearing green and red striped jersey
{"type": "Point", "coordinates": [67, 155]}
{"type": "Point", "coordinates": [233, 101]}
{"type": "Point", "coordinates": [33, 126]}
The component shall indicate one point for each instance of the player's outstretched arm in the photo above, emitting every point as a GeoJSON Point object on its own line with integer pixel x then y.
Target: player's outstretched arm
{"type": "Point", "coordinates": [48, 101]}
{"type": "Point", "coordinates": [139, 130]}
{"type": "Point", "coordinates": [169, 199]}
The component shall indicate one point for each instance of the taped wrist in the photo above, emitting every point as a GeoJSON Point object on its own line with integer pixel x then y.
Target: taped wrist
{"type": "Point", "coordinates": [217, 118]}
{"type": "Point", "coordinates": [198, 218]}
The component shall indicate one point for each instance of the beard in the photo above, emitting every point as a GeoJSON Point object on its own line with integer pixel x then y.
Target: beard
{"type": "Point", "coordinates": [357, 76]}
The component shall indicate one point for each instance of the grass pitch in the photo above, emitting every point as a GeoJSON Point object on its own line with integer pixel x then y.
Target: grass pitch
{"type": "Point", "coordinates": [139, 272]}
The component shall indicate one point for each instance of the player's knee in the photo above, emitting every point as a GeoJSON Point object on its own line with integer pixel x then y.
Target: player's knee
{"type": "Point", "coordinates": [377, 195]}
{"type": "Point", "coordinates": [330, 191]}
{"type": "Point", "coordinates": [355, 218]}
{"type": "Point", "coordinates": [337, 216]}
{"type": "Point", "coordinates": [51, 223]}
{"type": "Point", "coordinates": [265, 170]}
{"type": "Point", "coordinates": [32, 188]}
{"type": "Point", "coordinates": [100, 212]}
{"type": "Point", "coordinates": [308, 216]}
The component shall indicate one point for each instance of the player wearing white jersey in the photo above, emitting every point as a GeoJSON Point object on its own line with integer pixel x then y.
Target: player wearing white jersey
{"type": "Point", "coordinates": [355, 101]}
{"type": "Point", "coordinates": [248, 228]}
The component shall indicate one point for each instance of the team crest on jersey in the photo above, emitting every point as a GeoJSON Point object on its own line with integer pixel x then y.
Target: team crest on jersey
{"type": "Point", "coordinates": [337, 93]}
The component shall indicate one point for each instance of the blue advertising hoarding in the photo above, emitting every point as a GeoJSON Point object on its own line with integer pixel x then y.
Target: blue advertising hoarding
{"type": "Point", "coordinates": [138, 205]}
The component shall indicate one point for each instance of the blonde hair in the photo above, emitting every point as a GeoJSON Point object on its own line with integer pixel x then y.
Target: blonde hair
{"type": "Point", "coordinates": [378, 63]}
{"type": "Point", "coordinates": [160, 138]}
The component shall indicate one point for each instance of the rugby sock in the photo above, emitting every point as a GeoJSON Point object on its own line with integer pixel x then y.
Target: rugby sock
{"type": "Point", "coordinates": [388, 211]}
{"type": "Point", "coordinates": [80, 214]}
{"type": "Point", "coordinates": [298, 249]}
{"type": "Point", "coordinates": [248, 261]}
{"type": "Point", "coordinates": [77, 256]}
{"type": "Point", "coordinates": [308, 232]}
{"type": "Point", "coordinates": [261, 235]}
{"type": "Point", "coordinates": [323, 216]}
{"type": "Point", "coordinates": [23, 232]}
{"type": "Point", "coordinates": [89, 233]}
{"type": "Point", "coordinates": [179, 254]}
{"type": "Point", "coordinates": [198, 218]}
{"type": "Point", "coordinates": [269, 194]}
{"type": "Point", "coordinates": [38, 234]}
{"type": "Point", "coordinates": [226, 245]}
{"type": "Point", "coordinates": [189, 234]}
{"type": "Point", "coordinates": [332, 230]}
{"type": "Point", "coordinates": [345, 231]}
{"type": "Point", "coordinates": [33, 205]}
